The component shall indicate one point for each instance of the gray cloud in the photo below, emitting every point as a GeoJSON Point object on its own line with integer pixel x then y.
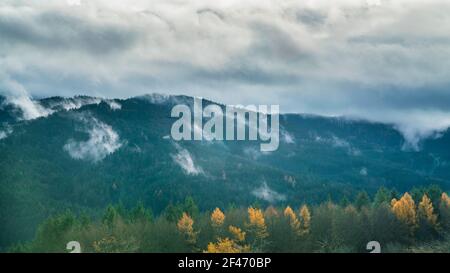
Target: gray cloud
{"type": "Point", "coordinates": [382, 60]}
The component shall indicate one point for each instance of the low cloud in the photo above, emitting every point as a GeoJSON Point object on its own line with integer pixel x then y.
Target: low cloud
{"type": "Point", "coordinates": [113, 105]}
{"type": "Point", "coordinates": [340, 143]}
{"type": "Point", "coordinates": [287, 137]}
{"type": "Point", "coordinates": [267, 194]}
{"type": "Point", "coordinates": [74, 103]}
{"type": "Point", "coordinates": [184, 159]}
{"type": "Point", "coordinates": [363, 171]}
{"type": "Point", "coordinates": [103, 141]}
{"type": "Point", "coordinates": [17, 96]}
{"type": "Point", "coordinates": [7, 130]}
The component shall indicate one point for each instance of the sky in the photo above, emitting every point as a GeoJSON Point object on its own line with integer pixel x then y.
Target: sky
{"type": "Point", "coordinates": [381, 60]}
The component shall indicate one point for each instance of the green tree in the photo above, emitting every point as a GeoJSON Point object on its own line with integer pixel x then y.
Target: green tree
{"type": "Point", "coordinates": [362, 200]}
{"type": "Point", "coordinates": [383, 196]}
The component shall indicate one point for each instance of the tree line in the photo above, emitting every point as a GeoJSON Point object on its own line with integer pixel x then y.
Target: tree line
{"type": "Point", "coordinates": [417, 221]}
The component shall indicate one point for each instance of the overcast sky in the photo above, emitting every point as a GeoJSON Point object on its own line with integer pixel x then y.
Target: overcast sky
{"type": "Point", "coordinates": [377, 59]}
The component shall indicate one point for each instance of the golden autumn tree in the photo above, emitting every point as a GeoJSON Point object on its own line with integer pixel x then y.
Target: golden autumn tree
{"type": "Point", "coordinates": [292, 218]}
{"type": "Point", "coordinates": [186, 226]}
{"type": "Point", "coordinates": [445, 200]}
{"type": "Point", "coordinates": [228, 245]}
{"type": "Point", "coordinates": [217, 218]}
{"type": "Point", "coordinates": [222, 246]}
{"type": "Point", "coordinates": [270, 212]}
{"type": "Point", "coordinates": [305, 217]}
{"type": "Point", "coordinates": [425, 211]}
{"type": "Point", "coordinates": [237, 233]}
{"type": "Point", "coordinates": [257, 224]}
{"type": "Point", "coordinates": [405, 210]}
{"type": "Point", "coordinates": [444, 209]}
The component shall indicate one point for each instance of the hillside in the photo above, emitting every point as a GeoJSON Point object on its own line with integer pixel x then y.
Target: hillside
{"type": "Point", "coordinates": [86, 153]}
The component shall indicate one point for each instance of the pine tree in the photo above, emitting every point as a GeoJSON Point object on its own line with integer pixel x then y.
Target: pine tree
{"type": "Point", "coordinates": [257, 223]}
{"type": "Point", "coordinates": [405, 210]}
{"type": "Point", "coordinates": [190, 206]}
{"type": "Point", "coordinates": [217, 218]}
{"type": "Point", "coordinates": [445, 200]}
{"type": "Point", "coordinates": [383, 196]}
{"type": "Point", "coordinates": [226, 246]}
{"type": "Point", "coordinates": [292, 218]}
{"type": "Point", "coordinates": [344, 202]}
{"type": "Point", "coordinates": [271, 212]}
{"type": "Point", "coordinates": [237, 233]}
{"type": "Point", "coordinates": [444, 209]}
{"type": "Point", "coordinates": [426, 211]}
{"type": "Point", "coordinates": [186, 226]}
{"type": "Point", "coordinates": [362, 200]}
{"type": "Point", "coordinates": [305, 216]}
{"type": "Point", "coordinates": [110, 216]}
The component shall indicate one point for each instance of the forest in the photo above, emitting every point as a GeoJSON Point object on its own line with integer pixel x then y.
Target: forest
{"type": "Point", "coordinates": [415, 221]}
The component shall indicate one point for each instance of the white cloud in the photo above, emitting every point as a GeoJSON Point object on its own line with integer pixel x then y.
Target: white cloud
{"type": "Point", "coordinates": [5, 132]}
{"type": "Point", "coordinates": [73, 103]}
{"type": "Point", "coordinates": [286, 137]}
{"type": "Point", "coordinates": [103, 141]}
{"type": "Point", "coordinates": [114, 105]}
{"type": "Point", "coordinates": [337, 142]}
{"type": "Point", "coordinates": [184, 159]}
{"type": "Point", "coordinates": [17, 96]}
{"type": "Point", "coordinates": [265, 193]}
{"type": "Point", "coordinates": [366, 58]}
{"type": "Point", "coordinates": [363, 171]}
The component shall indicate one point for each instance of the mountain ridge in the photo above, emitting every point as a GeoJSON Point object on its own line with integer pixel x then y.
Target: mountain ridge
{"type": "Point", "coordinates": [89, 155]}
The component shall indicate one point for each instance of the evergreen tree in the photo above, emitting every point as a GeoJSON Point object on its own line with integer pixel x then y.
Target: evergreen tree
{"type": "Point", "coordinates": [383, 196]}
{"type": "Point", "coordinates": [190, 207]}
{"type": "Point", "coordinates": [426, 212]}
{"type": "Point", "coordinates": [362, 200]}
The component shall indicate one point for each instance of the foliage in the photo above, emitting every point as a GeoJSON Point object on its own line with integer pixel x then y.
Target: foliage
{"type": "Point", "coordinates": [326, 227]}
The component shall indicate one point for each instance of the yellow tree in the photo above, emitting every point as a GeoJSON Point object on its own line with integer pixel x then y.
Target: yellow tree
{"type": "Point", "coordinates": [222, 246]}
{"type": "Point", "coordinates": [445, 200]}
{"type": "Point", "coordinates": [444, 210]}
{"type": "Point", "coordinates": [293, 221]}
{"type": "Point", "coordinates": [426, 211]}
{"type": "Point", "coordinates": [271, 212]}
{"type": "Point", "coordinates": [217, 218]}
{"type": "Point", "coordinates": [229, 245]}
{"type": "Point", "coordinates": [237, 233]}
{"type": "Point", "coordinates": [305, 216]}
{"type": "Point", "coordinates": [405, 210]}
{"type": "Point", "coordinates": [257, 223]}
{"type": "Point", "coordinates": [226, 246]}
{"type": "Point", "coordinates": [186, 226]}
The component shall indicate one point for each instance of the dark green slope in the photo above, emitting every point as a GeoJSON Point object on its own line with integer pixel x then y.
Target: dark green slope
{"type": "Point", "coordinates": [317, 157]}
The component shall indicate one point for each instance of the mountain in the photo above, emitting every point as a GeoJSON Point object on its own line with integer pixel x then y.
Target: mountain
{"type": "Point", "coordinates": [85, 153]}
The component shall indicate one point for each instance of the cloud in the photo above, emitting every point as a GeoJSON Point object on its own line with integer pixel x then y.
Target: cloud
{"type": "Point", "coordinates": [267, 194]}
{"type": "Point", "coordinates": [381, 60]}
{"type": "Point", "coordinates": [287, 137]}
{"type": "Point", "coordinates": [7, 130]}
{"type": "Point", "coordinates": [103, 141]}
{"type": "Point", "coordinates": [73, 103]}
{"type": "Point", "coordinates": [17, 96]}
{"type": "Point", "coordinates": [337, 142]}
{"type": "Point", "coordinates": [184, 159]}
{"type": "Point", "coordinates": [114, 105]}
{"type": "Point", "coordinates": [363, 171]}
